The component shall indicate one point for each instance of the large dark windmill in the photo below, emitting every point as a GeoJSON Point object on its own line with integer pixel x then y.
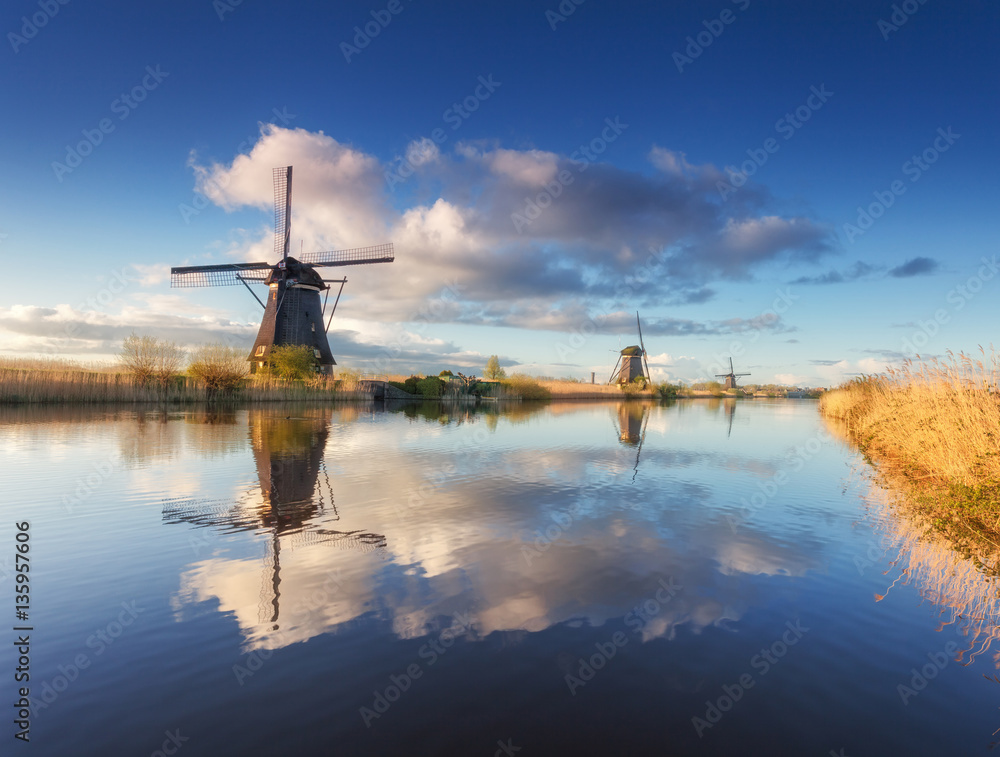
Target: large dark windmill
{"type": "Point", "coordinates": [630, 361]}
{"type": "Point", "coordinates": [731, 376]}
{"type": "Point", "coordinates": [293, 313]}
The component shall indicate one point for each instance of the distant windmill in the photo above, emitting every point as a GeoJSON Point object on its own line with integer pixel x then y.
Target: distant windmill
{"type": "Point", "coordinates": [293, 314]}
{"type": "Point", "coordinates": [630, 361]}
{"type": "Point", "coordinates": [731, 376]}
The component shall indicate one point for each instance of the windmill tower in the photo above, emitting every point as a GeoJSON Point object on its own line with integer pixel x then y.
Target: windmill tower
{"type": "Point", "coordinates": [731, 376]}
{"type": "Point", "coordinates": [293, 314]}
{"type": "Point", "coordinates": [630, 361]}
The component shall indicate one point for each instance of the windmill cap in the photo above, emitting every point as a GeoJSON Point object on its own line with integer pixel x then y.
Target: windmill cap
{"type": "Point", "coordinates": [633, 350]}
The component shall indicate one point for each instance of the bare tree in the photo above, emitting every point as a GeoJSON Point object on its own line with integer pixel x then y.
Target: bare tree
{"type": "Point", "coordinates": [149, 359]}
{"type": "Point", "coordinates": [220, 367]}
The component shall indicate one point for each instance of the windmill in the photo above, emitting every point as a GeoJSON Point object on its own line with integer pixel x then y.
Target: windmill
{"type": "Point", "coordinates": [293, 314]}
{"type": "Point", "coordinates": [731, 376]}
{"type": "Point", "coordinates": [630, 361]}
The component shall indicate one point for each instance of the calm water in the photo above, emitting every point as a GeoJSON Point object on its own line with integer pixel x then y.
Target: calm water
{"type": "Point", "coordinates": [698, 578]}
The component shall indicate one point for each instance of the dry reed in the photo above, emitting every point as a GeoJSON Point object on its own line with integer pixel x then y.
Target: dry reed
{"type": "Point", "coordinates": [50, 381]}
{"type": "Point", "coordinates": [937, 419]}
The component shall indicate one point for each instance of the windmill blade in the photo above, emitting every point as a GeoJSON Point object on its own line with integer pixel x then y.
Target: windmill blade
{"type": "Point", "coordinates": [643, 347]}
{"type": "Point", "coordinates": [226, 274]}
{"type": "Point", "coordinates": [282, 209]}
{"type": "Point", "coordinates": [731, 366]}
{"type": "Point", "coordinates": [380, 253]}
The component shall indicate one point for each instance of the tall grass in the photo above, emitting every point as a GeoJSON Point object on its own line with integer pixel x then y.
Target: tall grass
{"type": "Point", "coordinates": [34, 381]}
{"type": "Point", "coordinates": [936, 419]}
{"type": "Point", "coordinates": [933, 431]}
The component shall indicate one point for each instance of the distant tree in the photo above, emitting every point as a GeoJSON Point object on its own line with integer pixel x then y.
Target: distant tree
{"type": "Point", "coordinates": [149, 359]}
{"type": "Point", "coordinates": [293, 361]}
{"type": "Point", "coordinates": [220, 367]}
{"type": "Point", "coordinates": [446, 373]}
{"type": "Point", "coordinates": [493, 370]}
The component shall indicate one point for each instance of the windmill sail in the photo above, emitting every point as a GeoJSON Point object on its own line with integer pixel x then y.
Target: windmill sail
{"type": "Point", "coordinates": [226, 274]}
{"type": "Point", "coordinates": [294, 311]}
{"type": "Point", "coordinates": [282, 210]}
{"type": "Point", "coordinates": [380, 253]}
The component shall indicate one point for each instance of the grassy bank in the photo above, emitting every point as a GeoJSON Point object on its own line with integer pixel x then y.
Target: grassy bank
{"type": "Point", "coordinates": [933, 429]}
{"type": "Point", "coordinates": [32, 382]}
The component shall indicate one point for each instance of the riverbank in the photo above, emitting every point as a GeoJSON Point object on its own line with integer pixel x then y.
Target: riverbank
{"type": "Point", "coordinates": [42, 385]}
{"type": "Point", "coordinates": [933, 431]}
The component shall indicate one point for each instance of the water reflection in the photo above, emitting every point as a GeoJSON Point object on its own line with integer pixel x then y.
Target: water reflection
{"type": "Point", "coordinates": [295, 499]}
{"type": "Point", "coordinates": [519, 537]}
{"type": "Point", "coordinates": [967, 599]}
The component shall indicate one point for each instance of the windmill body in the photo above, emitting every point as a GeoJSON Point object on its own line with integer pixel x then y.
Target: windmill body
{"type": "Point", "coordinates": [294, 313]}
{"type": "Point", "coordinates": [631, 362]}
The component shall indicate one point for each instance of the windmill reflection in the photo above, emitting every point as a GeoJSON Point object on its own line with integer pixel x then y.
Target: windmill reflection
{"type": "Point", "coordinates": [295, 494]}
{"type": "Point", "coordinates": [730, 408]}
{"type": "Point", "coordinates": [632, 419]}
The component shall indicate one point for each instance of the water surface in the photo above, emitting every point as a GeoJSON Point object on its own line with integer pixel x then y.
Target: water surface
{"type": "Point", "coordinates": [694, 578]}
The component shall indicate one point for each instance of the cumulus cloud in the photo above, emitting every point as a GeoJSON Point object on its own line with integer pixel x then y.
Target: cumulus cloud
{"type": "Point", "coordinates": [476, 230]}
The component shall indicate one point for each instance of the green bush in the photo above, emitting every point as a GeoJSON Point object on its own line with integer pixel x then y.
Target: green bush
{"type": "Point", "coordinates": [431, 386]}
{"type": "Point", "coordinates": [293, 361]}
{"type": "Point", "coordinates": [667, 390]}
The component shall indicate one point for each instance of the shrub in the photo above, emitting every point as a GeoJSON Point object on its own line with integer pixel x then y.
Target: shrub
{"type": "Point", "coordinates": [293, 361]}
{"type": "Point", "coordinates": [220, 367]}
{"type": "Point", "coordinates": [431, 386]}
{"type": "Point", "coordinates": [668, 390]}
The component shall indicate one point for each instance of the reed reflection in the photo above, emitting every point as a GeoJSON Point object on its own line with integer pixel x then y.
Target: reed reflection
{"type": "Point", "coordinates": [967, 594]}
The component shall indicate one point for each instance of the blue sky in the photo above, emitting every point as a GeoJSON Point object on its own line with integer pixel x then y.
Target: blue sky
{"type": "Point", "coordinates": [702, 163]}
